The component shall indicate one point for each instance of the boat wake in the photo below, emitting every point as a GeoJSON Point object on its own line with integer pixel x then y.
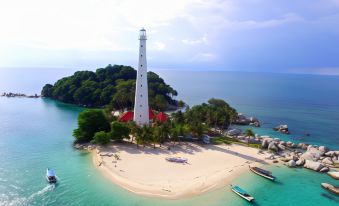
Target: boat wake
{"type": "Point", "coordinates": [25, 200]}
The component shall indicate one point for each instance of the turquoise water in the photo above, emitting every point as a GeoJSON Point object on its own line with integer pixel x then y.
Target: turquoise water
{"type": "Point", "coordinates": [37, 133]}
{"type": "Point", "coordinates": [307, 103]}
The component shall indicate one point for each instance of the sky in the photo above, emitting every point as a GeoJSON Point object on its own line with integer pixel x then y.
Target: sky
{"type": "Point", "coordinates": [294, 36]}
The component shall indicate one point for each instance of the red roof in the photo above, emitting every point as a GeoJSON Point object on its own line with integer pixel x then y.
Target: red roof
{"type": "Point", "coordinates": [151, 114]}
{"type": "Point", "coordinates": [127, 116]}
{"type": "Point", "coordinates": [162, 117]}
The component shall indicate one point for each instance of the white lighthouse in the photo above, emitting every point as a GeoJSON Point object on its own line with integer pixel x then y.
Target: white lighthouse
{"type": "Point", "coordinates": [141, 109]}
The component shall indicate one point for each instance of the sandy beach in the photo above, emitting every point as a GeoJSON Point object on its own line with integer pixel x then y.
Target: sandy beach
{"type": "Point", "coordinates": [145, 171]}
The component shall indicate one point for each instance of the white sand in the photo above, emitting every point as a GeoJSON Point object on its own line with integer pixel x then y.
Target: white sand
{"type": "Point", "coordinates": [146, 172]}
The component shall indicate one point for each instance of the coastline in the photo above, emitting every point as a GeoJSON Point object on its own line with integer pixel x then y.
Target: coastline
{"type": "Point", "coordinates": [200, 175]}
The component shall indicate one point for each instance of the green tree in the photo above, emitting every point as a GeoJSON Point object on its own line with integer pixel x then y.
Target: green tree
{"type": "Point", "coordinates": [249, 133]}
{"type": "Point", "coordinates": [112, 85]}
{"type": "Point", "coordinates": [119, 131]}
{"type": "Point", "coordinates": [47, 90]}
{"type": "Point", "coordinates": [101, 138]}
{"type": "Point", "coordinates": [90, 121]}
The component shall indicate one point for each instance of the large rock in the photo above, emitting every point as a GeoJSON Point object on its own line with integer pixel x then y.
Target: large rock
{"type": "Point", "coordinates": [300, 162]}
{"type": "Point", "coordinates": [291, 163]}
{"type": "Point", "coordinates": [323, 149]}
{"type": "Point", "coordinates": [330, 154]}
{"type": "Point", "coordinates": [316, 166]}
{"type": "Point", "coordinates": [312, 153]}
{"type": "Point", "coordinates": [265, 142]}
{"type": "Point", "coordinates": [272, 146]}
{"type": "Point", "coordinates": [324, 169]}
{"type": "Point", "coordinates": [327, 161]}
{"type": "Point", "coordinates": [281, 147]}
{"type": "Point", "coordinates": [304, 146]}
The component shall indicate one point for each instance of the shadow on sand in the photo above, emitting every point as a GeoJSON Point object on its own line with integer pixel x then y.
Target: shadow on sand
{"type": "Point", "coordinates": [182, 147]}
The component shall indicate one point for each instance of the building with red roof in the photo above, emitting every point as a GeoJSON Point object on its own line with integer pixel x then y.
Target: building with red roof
{"type": "Point", "coordinates": [128, 116]}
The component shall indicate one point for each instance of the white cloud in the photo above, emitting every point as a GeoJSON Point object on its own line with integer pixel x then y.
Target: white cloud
{"type": "Point", "coordinates": [203, 57]}
{"type": "Point", "coordinates": [159, 45]}
{"type": "Point", "coordinates": [253, 24]}
{"type": "Point", "coordinates": [202, 40]}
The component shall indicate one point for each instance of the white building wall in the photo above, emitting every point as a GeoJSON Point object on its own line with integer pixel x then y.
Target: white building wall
{"type": "Point", "coordinates": [141, 108]}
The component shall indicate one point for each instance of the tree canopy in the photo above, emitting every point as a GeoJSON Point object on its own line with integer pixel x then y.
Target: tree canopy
{"type": "Point", "coordinates": [90, 121]}
{"type": "Point", "coordinates": [112, 85]}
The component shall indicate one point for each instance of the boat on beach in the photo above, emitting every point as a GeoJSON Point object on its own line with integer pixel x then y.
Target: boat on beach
{"type": "Point", "coordinates": [50, 176]}
{"type": "Point", "coordinates": [176, 159]}
{"type": "Point", "coordinates": [242, 193]}
{"type": "Point", "coordinates": [261, 172]}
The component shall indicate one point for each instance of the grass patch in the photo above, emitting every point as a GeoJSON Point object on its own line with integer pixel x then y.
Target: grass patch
{"type": "Point", "coordinates": [229, 140]}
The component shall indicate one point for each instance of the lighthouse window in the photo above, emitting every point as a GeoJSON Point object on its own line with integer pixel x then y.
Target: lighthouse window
{"type": "Point", "coordinates": [141, 45]}
{"type": "Point", "coordinates": [140, 115]}
{"type": "Point", "coordinates": [140, 85]}
{"type": "Point", "coordinates": [140, 75]}
{"type": "Point", "coordinates": [140, 105]}
{"type": "Point", "coordinates": [141, 55]}
{"type": "Point", "coordinates": [141, 65]}
{"type": "Point", "coordinates": [140, 95]}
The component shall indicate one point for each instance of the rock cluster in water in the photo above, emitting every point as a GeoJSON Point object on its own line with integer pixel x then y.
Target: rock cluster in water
{"type": "Point", "coordinates": [243, 120]}
{"type": "Point", "coordinates": [283, 128]}
{"type": "Point", "coordinates": [312, 157]}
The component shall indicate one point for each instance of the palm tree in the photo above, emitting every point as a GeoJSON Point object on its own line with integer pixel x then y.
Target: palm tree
{"type": "Point", "coordinates": [249, 133]}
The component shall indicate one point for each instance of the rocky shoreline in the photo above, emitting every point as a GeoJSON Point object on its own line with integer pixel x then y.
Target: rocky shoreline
{"type": "Point", "coordinates": [317, 158]}
{"type": "Point", "coordinates": [313, 157]}
{"type": "Point", "coordinates": [11, 94]}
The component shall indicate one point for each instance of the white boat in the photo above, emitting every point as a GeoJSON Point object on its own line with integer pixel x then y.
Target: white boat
{"type": "Point", "coordinates": [262, 172]}
{"type": "Point", "coordinates": [242, 193]}
{"type": "Point", "coordinates": [50, 176]}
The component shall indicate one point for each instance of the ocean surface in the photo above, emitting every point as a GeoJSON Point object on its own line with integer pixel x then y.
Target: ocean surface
{"type": "Point", "coordinates": [37, 133]}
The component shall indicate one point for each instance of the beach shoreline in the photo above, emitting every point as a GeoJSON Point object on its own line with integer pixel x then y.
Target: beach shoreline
{"type": "Point", "coordinates": [144, 171]}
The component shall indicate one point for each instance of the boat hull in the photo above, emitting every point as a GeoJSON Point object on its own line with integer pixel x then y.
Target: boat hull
{"type": "Point", "coordinates": [262, 175]}
{"type": "Point", "coordinates": [245, 195]}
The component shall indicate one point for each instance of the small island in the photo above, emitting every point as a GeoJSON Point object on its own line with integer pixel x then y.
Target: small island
{"type": "Point", "coordinates": [164, 148]}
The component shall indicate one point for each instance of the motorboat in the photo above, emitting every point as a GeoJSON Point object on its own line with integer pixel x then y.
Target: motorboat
{"type": "Point", "coordinates": [50, 176]}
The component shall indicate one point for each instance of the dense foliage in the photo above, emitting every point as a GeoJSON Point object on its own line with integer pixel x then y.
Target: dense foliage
{"type": "Point", "coordinates": [90, 122]}
{"type": "Point", "coordinates": [93, 125]}
{"type": "Point", "coordinates": [195, 121]}
{"type": "Point", "coordinates": [216, 113]}
{"type": "Point", "coordinates": [113, 86]}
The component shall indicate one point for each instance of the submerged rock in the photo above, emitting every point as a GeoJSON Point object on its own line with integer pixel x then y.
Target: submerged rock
{"type": "Point", "coordinates": [334, 175]}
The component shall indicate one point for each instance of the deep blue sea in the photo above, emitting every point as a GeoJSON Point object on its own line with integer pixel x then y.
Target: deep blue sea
{"type": "Point", "coordinates": [37, 133]}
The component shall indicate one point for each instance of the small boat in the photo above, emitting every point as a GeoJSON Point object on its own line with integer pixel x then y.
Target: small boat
{"type": "Point", "coordinates": [330, 188]}
{"type": "Point", "coordinates": [242, 193]}
{"type": "Point", "coordinates": [50, 176]}
{"type": "Point", "coordinates": [176, 159]}
{"type": "Point", "coordinates": [262, 172]}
